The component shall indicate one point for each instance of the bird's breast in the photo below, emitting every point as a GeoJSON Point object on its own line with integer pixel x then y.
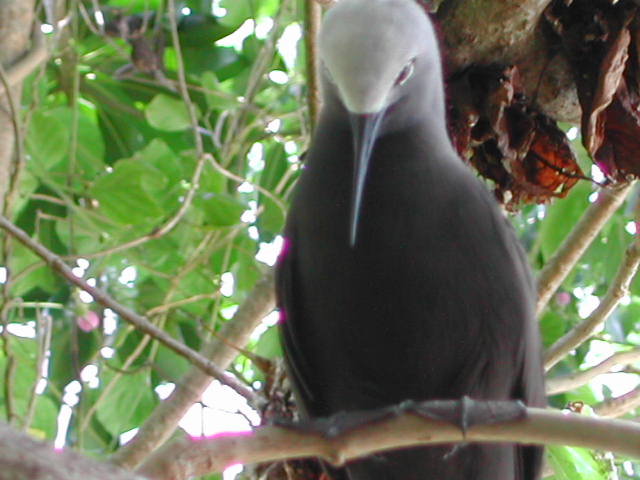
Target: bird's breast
{"type": "Point", "coordinates": [427, 278]}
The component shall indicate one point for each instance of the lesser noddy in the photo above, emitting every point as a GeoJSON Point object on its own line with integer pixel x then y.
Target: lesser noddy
{"type": "Point", "coordinates": [400, 278]}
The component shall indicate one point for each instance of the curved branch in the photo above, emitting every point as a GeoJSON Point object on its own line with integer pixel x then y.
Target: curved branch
{"type": "Point", "coordinates": [577, 242]}
{"type": "Point", "coordinates": [585, 329]}
{"type": "Point", "coordinates": [619, 406]}
{"type": "Point", "coordinates": [575, 380]}
{"type": "Point", "coordinates": [192, 457]}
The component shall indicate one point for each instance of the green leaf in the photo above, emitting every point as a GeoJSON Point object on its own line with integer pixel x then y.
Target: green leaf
{"type": "Point", "coordinates": [561, 216]}
{"type": "Point", "coordinates": [42, 277]}
{"type": "Point", "coordinates": [224, 61]}
{"type": "Point", "coordinates": [221, 210]}
{"type": "Point", "coordinates": [71, 350]}
{"type": "Point", "coordinates": [168, 114]}
{"type": "Point", "coordinates": [552, 327]}
{"type": "Point", "coordinates": [271, 220]}
{"type": "Point", "coordinates": [167, 188]}
{"type": "Point", "coordinates": [571, 463]}
{"type": "Point", "coordinates": [44, 423]}
{"type": "Point", "coordinates": [47, 140]}
{"type": "Point", "coordinates": [215, 96]}
{"type": "Point", "coordinates": [269, 345]}
{"type": "Point", "coordinates": [136, 6]}
{"type": "Point", "coordinates": [170, 366]}
{"type": "Point", "coordinates": [237, 12]}
{"type": "Point", "coordinates": [24, 378]}
{"type": "Point", "coordinates": [201, 31]}
{"type": "Point", "coordinates": [246, 273]}
{"type": "Point", "coordinates": [124, 195]}
{"type": "Point", "coordinates": [128, 402]}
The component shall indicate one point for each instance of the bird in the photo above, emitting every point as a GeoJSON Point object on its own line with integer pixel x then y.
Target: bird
{"type": "Point", "coordinates": [400, 277]}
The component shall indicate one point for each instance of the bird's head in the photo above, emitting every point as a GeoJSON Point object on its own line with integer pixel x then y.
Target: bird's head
{"type": "Point", "coordinates": [375, 52]}
{"type": "Point", "coordinates": [379, 60]}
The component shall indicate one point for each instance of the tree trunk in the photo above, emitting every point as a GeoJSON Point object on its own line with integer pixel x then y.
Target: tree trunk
{"type": "Point", "coordinates": [16, 20]}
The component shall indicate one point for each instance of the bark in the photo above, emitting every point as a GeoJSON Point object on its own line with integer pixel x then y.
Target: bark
{"type": "Point", "coordinates": [16, 19]}
{"type": "Point", "coordinates": [23, 458]}
{"type": "Point", "coordinates": [510, 32]}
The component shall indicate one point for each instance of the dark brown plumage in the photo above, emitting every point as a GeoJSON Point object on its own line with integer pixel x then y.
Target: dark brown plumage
{"type": "Point", "coordinates": [420, 292]}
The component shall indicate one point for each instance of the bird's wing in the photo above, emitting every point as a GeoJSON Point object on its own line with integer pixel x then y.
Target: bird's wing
{"type": "Point", "coordinates": [529, 383]}
{"type": "Point", "coordinates": [290, 315]}
{"type": "Point", "coordinates": [530, 387]}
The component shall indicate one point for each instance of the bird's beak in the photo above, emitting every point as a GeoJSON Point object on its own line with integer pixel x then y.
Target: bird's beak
{"type": "Point", "coordinates": [365, 130]}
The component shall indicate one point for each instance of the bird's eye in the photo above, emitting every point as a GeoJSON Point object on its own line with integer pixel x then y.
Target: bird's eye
{"type": "Point", "coordinates": [406, 72]}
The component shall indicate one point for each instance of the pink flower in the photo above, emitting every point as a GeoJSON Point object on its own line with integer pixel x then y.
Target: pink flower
{"type": "Point", "coordinates": [88, 321]}
{"type": "Point", "coordinates": [563, 298]}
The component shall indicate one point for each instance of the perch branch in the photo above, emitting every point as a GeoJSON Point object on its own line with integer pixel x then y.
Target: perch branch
{"type": "Point", "coordinates": [193, 457]}
{"type": "Point", "coordinates": [28, 458]}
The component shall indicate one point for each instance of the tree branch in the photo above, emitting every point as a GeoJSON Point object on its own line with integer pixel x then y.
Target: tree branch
{"type": "Point", "coordinates": [22, 67]}
{"type": "Point", "coordinates": [585, 329]}
{"type": "Point", "coordinates": [312, 17]}
{"type": "Point", "coordinates": [138, 321]}
{"type": "Point", "coordinates": [575, 380]}
{"type": "Point", "coordinates": [164, 420]}
{"type": "Point", "coordinates": [619, 406]}
{"type": "Point", "coordinates": [192, 457]}
{"type": "Point", "coordinates": [577, 242]}
{"type": "Point", "coordinates": [22, 457]}
{"type": "Point", "coordinates": [25, 457]}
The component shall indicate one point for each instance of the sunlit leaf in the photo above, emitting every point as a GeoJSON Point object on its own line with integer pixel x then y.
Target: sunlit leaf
{"type": "Point", "coordinates": [168, 114]}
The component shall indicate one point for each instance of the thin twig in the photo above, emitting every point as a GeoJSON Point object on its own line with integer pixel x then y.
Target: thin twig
{"type": "Point", "coordinates": [178, 303]}
{"type": "Point", "coordinates": [161, 231]}
{"type": "Point", "coordinates": [108, 388]}
{"type": "Point", "coordinates": [575, 380]}
{"type": "Point", "coordinates": [256, 77]}
{"type": "Point", "coordinates": [577, 242]}
{"type": "Point", "coordinates": [164, 419]}
{"type": "Point", "coordinates": [9, 371]}
{"type": "Point", "coordinates": [44, 343]}
{"type": "Point", "coordinates": [195, 179]}
{"type": "Point", "coordinates": [239, 179]}
{"type": "Point", "coordinates": [619, 406]}
{"type": "Point", "coordinates": [182, 79]}
{"type": "Point", "coordinates": [140, 322]}
{"type": "Point", "coordinates": [585, 329]}
{"type": "Point", "coordinates": [312, 17]}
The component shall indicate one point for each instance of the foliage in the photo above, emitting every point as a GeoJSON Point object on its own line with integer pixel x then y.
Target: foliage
{"type": "Point", "coordinates": [111, 159]}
